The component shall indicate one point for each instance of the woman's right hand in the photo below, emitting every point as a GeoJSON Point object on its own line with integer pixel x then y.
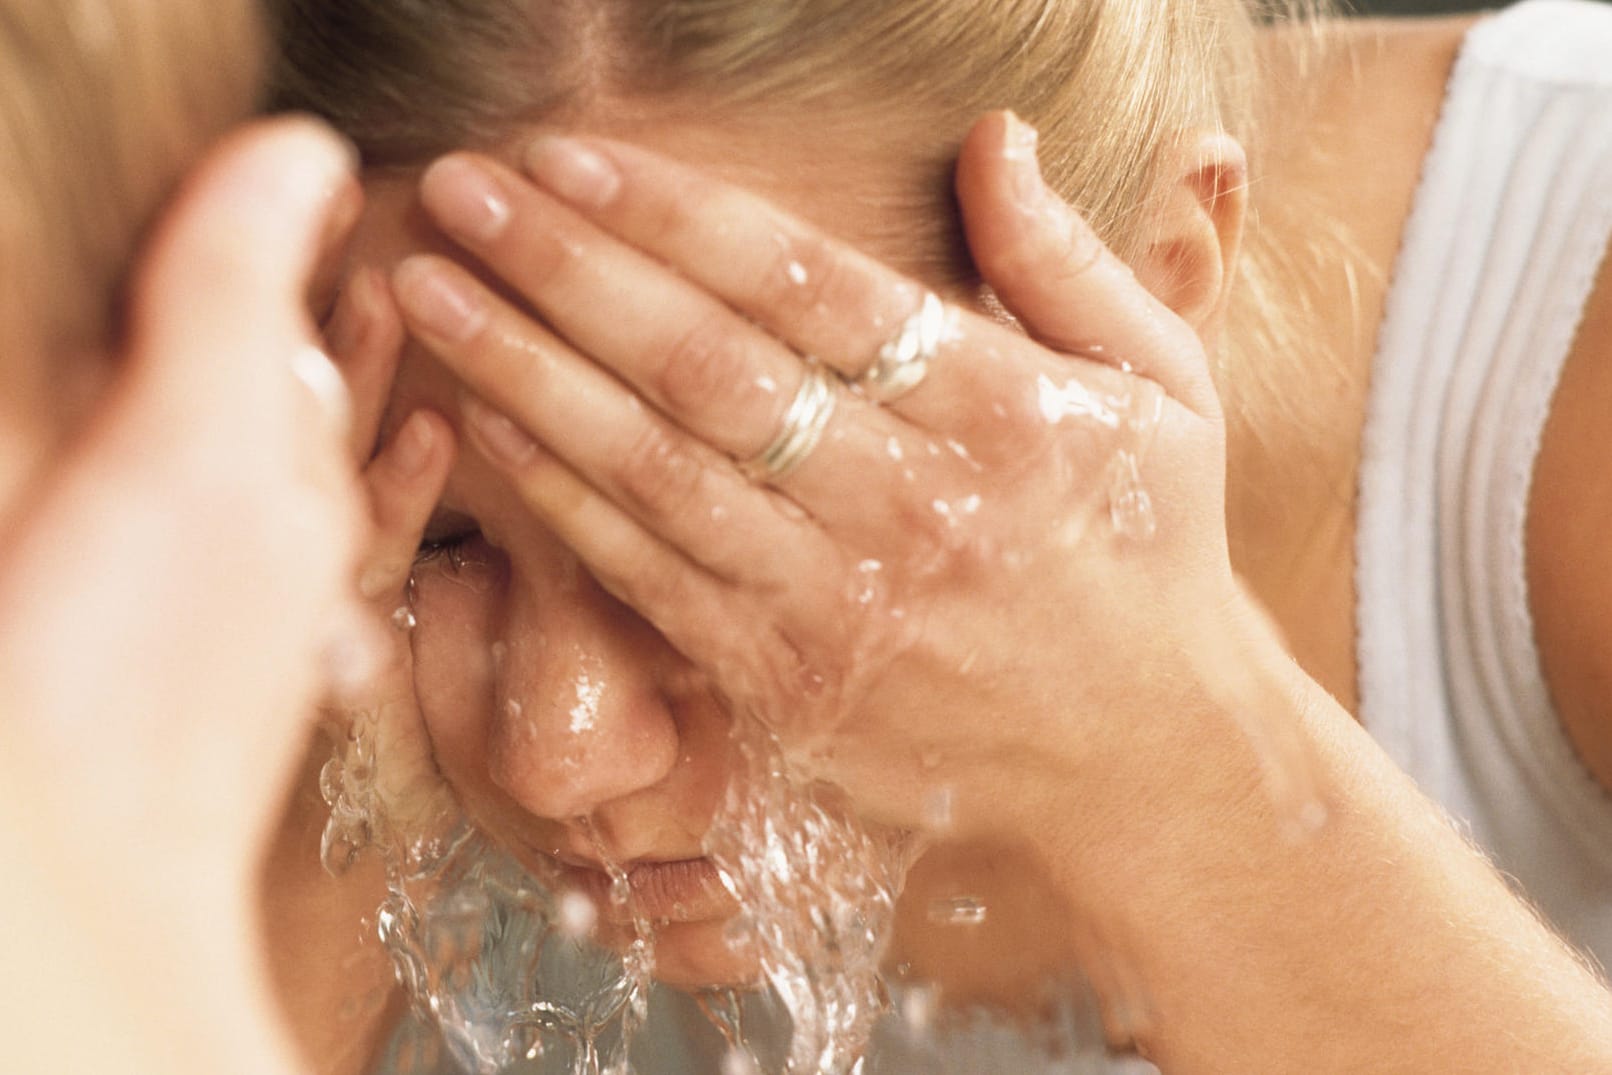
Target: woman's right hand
{"type": "Point", "coordinates": [1008, 579]}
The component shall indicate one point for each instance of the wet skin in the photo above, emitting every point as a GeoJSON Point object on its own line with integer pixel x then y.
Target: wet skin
{"type": "Point", "coordinates": [568, 728]}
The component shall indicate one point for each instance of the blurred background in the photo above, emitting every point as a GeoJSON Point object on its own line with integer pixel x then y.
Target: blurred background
{"type": "Point", "coordinates": [1417, 7]}
{"type": "Point", "coordinates": [1420, 7]}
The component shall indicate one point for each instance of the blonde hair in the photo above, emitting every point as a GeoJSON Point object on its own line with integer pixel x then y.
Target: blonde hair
{"type": "Point", "coordinates": [1109, 84]}
{"type": "Point", "coordinates": [103, 105]}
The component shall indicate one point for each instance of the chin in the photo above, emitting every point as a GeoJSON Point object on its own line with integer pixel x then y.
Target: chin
{"type": "Point", "coordinates": [694, 956]}
{"type": "Point", "coordinates": [699, 955]}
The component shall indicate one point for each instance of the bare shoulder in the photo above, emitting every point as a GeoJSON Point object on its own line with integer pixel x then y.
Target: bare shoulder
{"type": "Point", "coordinates": [1569, 551]}
{"type": "Point", "coordinates": [1369, 93]}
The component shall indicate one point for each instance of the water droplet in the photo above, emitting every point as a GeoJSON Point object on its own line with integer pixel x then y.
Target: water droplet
{"type": "Point", "coordinates": [1073, 401]}
{"type": "Point", "coordinates": [404, 619]}
{"type": "Point", "coordinates": [958, 911]}
{"type": "Point", "coordinates": [919, 1004]}
{"type": "Point", "coordinates": [584, 712]}
{"type": "Point", "coordinates": [620, 890]}
{"type": "Point", "coordinates": [578, 916]}
{"type": "Point", "coordinates": [1129, 506]}
{"type": "Point", "coordinates": [739, 933]}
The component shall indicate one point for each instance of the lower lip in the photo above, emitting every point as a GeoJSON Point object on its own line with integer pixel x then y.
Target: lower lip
{"type": "Point", "coordinates": [689, 890]}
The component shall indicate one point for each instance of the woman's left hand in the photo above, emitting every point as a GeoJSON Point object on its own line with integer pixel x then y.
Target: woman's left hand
{"type": "Point", "coordinates": [974, 565]}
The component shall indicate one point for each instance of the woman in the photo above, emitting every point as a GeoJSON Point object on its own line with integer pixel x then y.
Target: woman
{"type": "Point", "coordinates": [1074, 550]}
{"type": "Point", "coordinates": [181, 524]}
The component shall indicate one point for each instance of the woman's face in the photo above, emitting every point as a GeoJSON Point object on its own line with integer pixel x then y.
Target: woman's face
{"type": "Point", "coordinates": [567, 726]}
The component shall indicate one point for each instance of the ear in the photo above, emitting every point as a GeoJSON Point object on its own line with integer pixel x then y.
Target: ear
{"type": "Point", "coordinates": [1192, 258]}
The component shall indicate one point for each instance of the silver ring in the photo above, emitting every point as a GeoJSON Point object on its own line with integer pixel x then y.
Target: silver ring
{"type": "Point", "coordinates": [903, 363]}
{"type": "Point", "coordinates": [802, 429]}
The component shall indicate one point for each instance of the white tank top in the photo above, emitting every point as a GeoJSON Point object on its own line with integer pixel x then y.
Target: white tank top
{"type": "Point", "coordinates": [1505, 237]}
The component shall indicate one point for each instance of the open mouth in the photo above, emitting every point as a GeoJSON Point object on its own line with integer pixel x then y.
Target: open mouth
{"type": "Point", "coordinates": [687, 890]}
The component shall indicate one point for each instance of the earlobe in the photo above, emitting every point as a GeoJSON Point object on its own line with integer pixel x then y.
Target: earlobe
{"type": "Point", "coordinates": [1192, 260]}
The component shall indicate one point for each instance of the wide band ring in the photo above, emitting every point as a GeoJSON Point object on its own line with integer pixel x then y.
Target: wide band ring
{"type": "Point", "coordinates": [802, 429]}
{"type": "Point", "coordinates": [902, 364]}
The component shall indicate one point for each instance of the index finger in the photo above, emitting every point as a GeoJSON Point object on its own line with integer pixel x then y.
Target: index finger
{"type": "Point", "coordinates": [819, 294]}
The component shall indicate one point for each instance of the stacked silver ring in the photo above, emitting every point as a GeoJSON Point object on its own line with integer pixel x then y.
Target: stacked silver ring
{"type": "Point", "coordinates": [903, 362]}
{"type": "Point", "coordinates": [808, 416]}
{"type": "Point", "coordinates": [898, 368]}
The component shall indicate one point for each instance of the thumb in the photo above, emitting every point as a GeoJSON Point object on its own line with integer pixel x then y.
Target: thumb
{"type": "Point", "coordinates": [228, 267]}
{"type": "Point", "coordinates": [1055, 274]}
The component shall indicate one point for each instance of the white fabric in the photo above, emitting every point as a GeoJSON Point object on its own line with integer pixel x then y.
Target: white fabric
{"type": "Point", "coordinates": [1507, 231]}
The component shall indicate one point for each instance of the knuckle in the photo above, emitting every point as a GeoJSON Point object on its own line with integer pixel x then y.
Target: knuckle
{"type": "Point", "coordinates": [657, 587]}
{"type": "Point", "coordinates": [1016, 426]}
{"type": "Point", "coordinates": [676, 210]}
{"type": "Point", "coordinates": [661, 474]}
{"type": "Point", "coordinates": [704, 367]}
{"type": "Point", "coordinates": [547, 258]}
{"type": "Point", "coordinates": [804, 278]}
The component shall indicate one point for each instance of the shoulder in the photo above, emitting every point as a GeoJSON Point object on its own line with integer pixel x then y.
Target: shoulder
{"type": "Point", "coordinates": [1569, 538]}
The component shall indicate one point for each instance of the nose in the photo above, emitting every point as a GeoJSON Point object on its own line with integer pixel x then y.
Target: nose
{"type": "Point", "coordinates": [578, 721]}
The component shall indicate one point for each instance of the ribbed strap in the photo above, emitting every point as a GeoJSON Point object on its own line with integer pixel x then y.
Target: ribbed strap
{"type": "Point", "coordinates": [1508, 229]}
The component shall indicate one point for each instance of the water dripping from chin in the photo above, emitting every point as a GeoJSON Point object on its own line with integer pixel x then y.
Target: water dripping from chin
{"type": "Point", "coordinates": [818, 891]}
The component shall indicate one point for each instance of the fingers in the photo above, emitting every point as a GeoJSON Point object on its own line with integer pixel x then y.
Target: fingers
{"type": "Point", "coordinates": [697, 359]}
{"type": "Point", "coordinates": [692, 607]}
{"type": "Point", "coordinates": [1056, 276]}
{"type": "Point", "coordinates": [246, 231]}
{"type": "Point", "coordinates": [696, 322]}
{"type": "Point", "coordinates": [405, 481]}
{"type": "Point", "coordinates": [365, 337]}
{"type": "Point", "coordinates": [690, 354]}
{"type": "Point", "coordinates": [811, 291]}
{"type": "Point", "coordinates": [542, 391]}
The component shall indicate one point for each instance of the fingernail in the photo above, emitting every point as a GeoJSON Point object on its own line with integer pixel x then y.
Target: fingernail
{"type": "Point", "coordinates": [502, 440]}
{"type": "Point", "coordinates": [412, 448]}
{"type": "Point", "coordinates": [465, 199]}
{"type": "Point", "coordinates": [439, 301]}
{"type": "Point", "coordinates": [573, 171]}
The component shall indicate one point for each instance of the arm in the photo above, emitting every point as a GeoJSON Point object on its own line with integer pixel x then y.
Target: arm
{"type": "Point", "coordinates": [1382, 941]}
{"type": "Point", "coordinates": [1379, 942]}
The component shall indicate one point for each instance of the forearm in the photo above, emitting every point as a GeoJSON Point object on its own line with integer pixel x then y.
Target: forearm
{"type": "Point", "coordinates": [1381, 942]}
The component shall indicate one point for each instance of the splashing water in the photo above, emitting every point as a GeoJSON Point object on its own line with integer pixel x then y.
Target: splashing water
{"type": "Point", "coordinates": [498, 960]}
{"type": "Point", "coordinates": [501, 981]}
{"type": "Point", "coordinates": [820, 895]}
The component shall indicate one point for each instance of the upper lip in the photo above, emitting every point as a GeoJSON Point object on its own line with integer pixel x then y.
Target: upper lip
{"type": "Point", "coordinates": [589, 851]}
